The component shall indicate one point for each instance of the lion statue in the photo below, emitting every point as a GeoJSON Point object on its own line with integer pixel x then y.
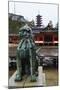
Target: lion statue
{"type": "Point", "coordinates": [26, 55]}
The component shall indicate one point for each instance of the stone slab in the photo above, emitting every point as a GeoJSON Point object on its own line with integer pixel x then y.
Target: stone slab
{"type": "Point", "coordinates": [40, 83]}
{"type": "Point", "coordinates": [26, 82]}
{"type": "Point", "coordinates": [12, 83]}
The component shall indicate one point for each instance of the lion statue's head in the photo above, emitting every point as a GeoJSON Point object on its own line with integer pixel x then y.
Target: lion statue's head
{"type": "Point", "coordinates": [25, 32]}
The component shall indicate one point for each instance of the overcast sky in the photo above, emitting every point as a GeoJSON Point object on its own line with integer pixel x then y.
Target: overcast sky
{"type": "Point", "coordinates": [31, 10]}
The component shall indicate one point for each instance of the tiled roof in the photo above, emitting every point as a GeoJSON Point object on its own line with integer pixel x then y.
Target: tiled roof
{"type": "Point", "coordinates": [38, 30]}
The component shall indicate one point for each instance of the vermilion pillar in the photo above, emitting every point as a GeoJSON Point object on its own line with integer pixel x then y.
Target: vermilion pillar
{"type": "Point", "coordinates": [53, 40]}
{"type": "Point", "coordinates": [43, 39]}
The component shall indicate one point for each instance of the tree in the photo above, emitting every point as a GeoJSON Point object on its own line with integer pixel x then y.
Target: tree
{"type": "Point", "coordinates": [56, 26]}
{"type": "Point", "coordinates": [50, 25]}
{"type": "Point", "coordinates": [14, 26]}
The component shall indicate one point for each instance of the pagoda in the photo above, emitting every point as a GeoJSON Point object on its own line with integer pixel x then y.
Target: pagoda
{"type": "Point", "coordinates": [38, 20]}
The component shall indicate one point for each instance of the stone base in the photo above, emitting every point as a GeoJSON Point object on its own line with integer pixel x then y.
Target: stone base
{"type": "Point", "coordinates": [26, 81]}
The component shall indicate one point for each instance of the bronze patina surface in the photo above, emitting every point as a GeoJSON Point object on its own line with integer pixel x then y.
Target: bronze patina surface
{"type": "Point", "coordinates": [26, 55]}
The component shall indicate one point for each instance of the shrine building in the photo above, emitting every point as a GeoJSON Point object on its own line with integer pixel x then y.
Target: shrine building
{"type": "Point", "coordinates": [42, 35]}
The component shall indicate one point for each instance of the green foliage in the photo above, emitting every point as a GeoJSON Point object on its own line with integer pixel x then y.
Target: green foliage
{"type": "Point", "coordinates": [14, 26]}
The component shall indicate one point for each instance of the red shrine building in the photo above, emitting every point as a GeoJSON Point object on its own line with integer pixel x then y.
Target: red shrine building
{"type": "Point", "coordinates": [42, 35]}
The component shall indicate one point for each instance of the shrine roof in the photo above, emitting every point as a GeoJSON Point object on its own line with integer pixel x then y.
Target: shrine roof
{"type": "Point", "coordinates": [38, 30]}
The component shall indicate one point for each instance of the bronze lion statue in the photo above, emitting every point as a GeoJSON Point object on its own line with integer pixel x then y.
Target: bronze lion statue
{"type": "Point", "coordinates": [26, 55]}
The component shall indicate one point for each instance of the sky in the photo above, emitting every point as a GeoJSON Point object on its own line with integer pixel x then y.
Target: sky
{"type": "Point", "coordinates": [31, 10]}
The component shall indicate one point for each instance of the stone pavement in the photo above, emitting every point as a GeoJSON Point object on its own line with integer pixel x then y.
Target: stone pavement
{"type": "Point", "coordinates": [26, 80]}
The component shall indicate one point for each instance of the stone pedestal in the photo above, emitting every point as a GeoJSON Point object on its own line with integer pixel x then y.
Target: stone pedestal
{"type": "Point", "coordinates": [26, 80]}
{"type": "Point", "coordinates": [41, 77]}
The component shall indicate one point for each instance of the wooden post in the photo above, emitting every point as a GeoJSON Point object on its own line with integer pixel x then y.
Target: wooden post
{"type": "Point", "coordinates": [53, 39]}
